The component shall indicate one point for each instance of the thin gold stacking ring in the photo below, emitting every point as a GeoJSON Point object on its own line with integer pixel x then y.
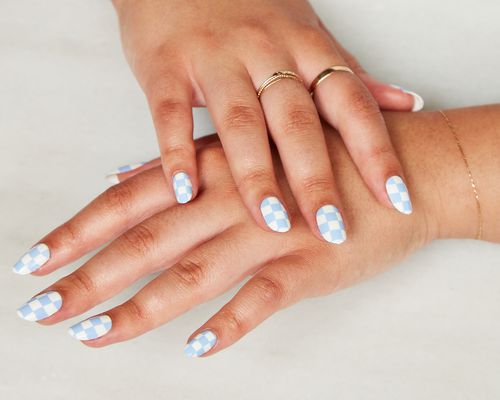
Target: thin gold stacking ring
{"type": "Point", "coordinates": [276, 77]}
{"type": "Point", "coordinates": [325, 74]}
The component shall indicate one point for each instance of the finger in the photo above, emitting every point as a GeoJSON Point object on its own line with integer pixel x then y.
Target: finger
{"type": "Point", "coordinates": [294, 125]}
{"type": "Point", "coordinates": [389, 97]}
{"type": "Point", "coordinates": [239, 119]}
{"type": "Point", "coordinates": [345, 103]}
{"type": "Point", "coordinates": [113, 212]}
{"type": "Point", "coordinates": [278, 285]}
{"type": "Point", "coordinates": [154, 244]}
{"type": "Point", "coordinates": [170, 100]}
{"type": "Point", "coordinates": [208, 271]}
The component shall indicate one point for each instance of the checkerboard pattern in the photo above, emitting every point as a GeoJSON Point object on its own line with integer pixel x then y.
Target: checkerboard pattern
{"type": "Point", "coordinates": [398, 194]}
{"type": "Point", "coordinates": [127, 168]}
{"type": "Point", "coordinates": [200, 344]}
{"type": "Point", "coordinates": [330, 224]}
{"type": "Point", "coordinates": [275, 214]}
{"type": "Point", "coordinates": [40, 307]}
{"type": "Point", "coordinates": [32, 260]}
{"type": "Point", "coordinates": [91, 328]}
{"type": "Point", "coordinates": [183, 187]}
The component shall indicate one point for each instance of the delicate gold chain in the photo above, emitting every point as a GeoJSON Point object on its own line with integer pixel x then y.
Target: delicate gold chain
{"type": "Point", "coordinates": [469, 172]}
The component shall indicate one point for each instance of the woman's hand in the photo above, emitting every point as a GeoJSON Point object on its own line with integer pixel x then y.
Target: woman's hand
{"type": "Point", "coordinates": [206, 247]}
{"type": "Point", "coordinates": [217, 53]}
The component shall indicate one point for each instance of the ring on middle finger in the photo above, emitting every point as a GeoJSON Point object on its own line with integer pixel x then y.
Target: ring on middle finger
{"type": "Point", "coordinates": [276, 77]}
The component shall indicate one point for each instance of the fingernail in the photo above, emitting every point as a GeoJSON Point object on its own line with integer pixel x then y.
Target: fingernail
{"type": "Point", "coordinates": [200, 344]}
{"type": "Point", "coordinates": [275, 214]}
{"type": "Point", "coordinates": [183, 187]}
{"type": "Point", "coordinates": [40, 307]}
{"type": "Point", "coordinates": [398, 194]}
{"type": "Point", "coordinates": [91, 328]}
{"type": "Point", "coordinates": [330, 224]}
{"type": "Point", "coordinates": [32, 260]}
{"type": "Point", "coordinates": [418, 101]}
{"type": "Point", "coordinates": [126, 168]}
{"type": "Point", "coordinates": [112, 177]}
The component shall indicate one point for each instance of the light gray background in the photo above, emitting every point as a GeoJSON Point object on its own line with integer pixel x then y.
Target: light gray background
{"type": "Point", "coordinates": [70, 111]}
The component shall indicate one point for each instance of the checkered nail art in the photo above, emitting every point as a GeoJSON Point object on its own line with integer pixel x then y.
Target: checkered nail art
{"type": "Point", "coordinates": [91, 328]}
{"type": "Point", "coordinates": [40, 307]}
{"type": "Point", "coordinates": [398, 194]}
{"type": "Point", "coordinates": [183, 187]}
{"type": "Point", "coordinates": [32, 260]}
{"type": "Point", "coordinates": [112, 177]}
{"type": "Point", "coordinates": [126, 168]}
{"type": "Point", "coordinates": [330, 224]}
{"type": "Point", "coordinates": [275, 214]}
{"type": "Point", "coordinates": [200, 344]}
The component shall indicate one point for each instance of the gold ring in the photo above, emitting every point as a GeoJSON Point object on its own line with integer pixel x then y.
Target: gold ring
{"type": "Point", "coordinates": [277, 76]}
{"type": "Point", "coordinates": [325, 74]}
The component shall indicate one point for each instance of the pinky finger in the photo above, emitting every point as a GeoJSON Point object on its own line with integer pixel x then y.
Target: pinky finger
{"type": "Point", "coordinates": [127, 171]}
{"type": "Point", "coordinates": [277, 286]}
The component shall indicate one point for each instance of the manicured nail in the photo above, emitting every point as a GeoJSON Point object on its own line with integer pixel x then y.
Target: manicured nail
{"type": "Point", "coordinates": [418, 101]}
{"type": "Point", "coordinates": [183, 187]}
{"type": "Point", "coordinates": [112, 177]}
{"type": "Point", "coordinates": [330, 224]}
{"type": "Point", "coordinates": [32, 260]}
{"type": "Point", "coordinates": [275, 214]}
{"type": "Point", "coordinates": [200, 344]}
{"type": "Point", "coordinates": [40, 307]}
{"type": "Point", "coordinates": [126, 168]}
{"type": "Point", "coordinates": [91, 328]}
{"type": "Point", "coordinates": [398, 194]}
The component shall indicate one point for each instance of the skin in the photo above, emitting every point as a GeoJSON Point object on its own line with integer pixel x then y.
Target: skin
{"type": "Point", "coordinates": [220, 247]}
{"type": "Point", "coordinates": [185, 55]}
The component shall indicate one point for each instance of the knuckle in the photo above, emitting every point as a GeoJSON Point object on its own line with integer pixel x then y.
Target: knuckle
{"type": "Point", "coordinates": [269, 290]}
{"type": "Point", "coordinates": [80, 281]}
{"type": "Point", "coordinates": [239, 117]}
{"type": "Point", "coordinates": [257, 178]}
{"type": "Point", "coordinates": [138, 241]}
{"type": "Point", "coordinates": [300, 119]}
{"type": "Point", "coordinates": [234, 322]}
{"type": "Point", "coordinates": [118, 197]}
{"type": "Point", "coordinates": [69, 234]}
{"type": "Point", "coordinates": [189, 273]}
{"type": "Point", "coordinates": [380, 152]}
{"type": "Point", "coordinates": [362, 104]}
{"type": "Point", "coordinates": [177, 153]}
{"type": "Point", "coordinates": [139, 312]}
{"type": "Point", "coordinates": [317, 184]}
{"type": "Point", "coordinates": [166, 110]}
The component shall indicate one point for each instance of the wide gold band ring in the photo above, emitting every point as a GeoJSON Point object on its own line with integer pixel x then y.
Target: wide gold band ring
{"type": "Point", "coordinates": [276, 77]}
{"type": "Point", "coordinates": [325, 74]}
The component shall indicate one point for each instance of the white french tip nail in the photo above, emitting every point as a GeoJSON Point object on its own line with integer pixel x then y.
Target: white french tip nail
{"type": "Point", "coordinates": [418, 101]}
{"type": "Point", "coordinates": [113, 179]}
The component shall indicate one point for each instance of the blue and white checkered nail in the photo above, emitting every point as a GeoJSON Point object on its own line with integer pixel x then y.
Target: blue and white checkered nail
{"type": "Point", "coordinates": [40, 307]}
{"type": "Point", "coordinates": [418, 101]}
{"type": "Point", "coordinates": [32, 260]}
{"type": "Point", "coordinates": [275, 214]}
{"type": "Point", "coordinates": [112, 176]}
{"type": "Point", "coordinates": [183, 187]}
{"type": "Point", "coordinates": [200, 344]}
{"type": "Point", "coordinates": [398, 194]}
{"type": "Point", "coordinates": [330, 224]}
{"type": "Point", "coordinates": [91, 328]}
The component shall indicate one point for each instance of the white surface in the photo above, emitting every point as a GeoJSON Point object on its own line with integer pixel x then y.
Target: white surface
{"type": "Point", "coordinates": [70, 111]}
